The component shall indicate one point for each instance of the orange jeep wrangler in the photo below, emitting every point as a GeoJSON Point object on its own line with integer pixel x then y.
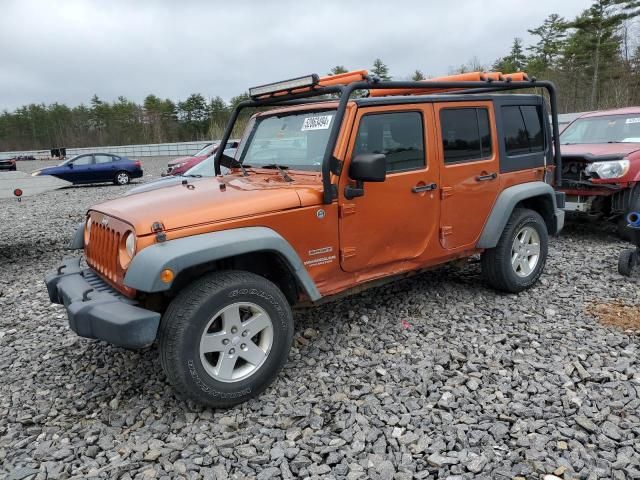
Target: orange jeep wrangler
{"type": "Point", "coordinates": [328, 192]}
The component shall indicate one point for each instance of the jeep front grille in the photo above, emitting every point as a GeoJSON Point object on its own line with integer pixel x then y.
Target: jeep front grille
{"type": "Point", "coordinates": [102, 250]}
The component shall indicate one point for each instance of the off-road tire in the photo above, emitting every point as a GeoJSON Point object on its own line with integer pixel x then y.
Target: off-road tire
{"type": "Point", "coordinates": [122, 178]}
{"type": "Point", "coordinates": [627, 261]}
{"type": "Point", "coordinates": [496, 262]}
{"type": "Point", "coordinates": [183, 325]}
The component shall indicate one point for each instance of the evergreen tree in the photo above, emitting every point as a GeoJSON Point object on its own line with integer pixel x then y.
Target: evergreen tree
{"type": "Point", "coordinates": [338, 69]}
{"type": "Point", "coordinates": [380, 70]}
{"type": "Point", "coordinates": [417, 76]}
{"type": "Point", "coordinates": [552, 40]}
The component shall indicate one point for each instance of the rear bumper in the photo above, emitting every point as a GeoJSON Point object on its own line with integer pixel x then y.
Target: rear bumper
{"type": "Point", "coordinates": [137, 174]}
{"type": "Point", "coordinates": [96, 310]}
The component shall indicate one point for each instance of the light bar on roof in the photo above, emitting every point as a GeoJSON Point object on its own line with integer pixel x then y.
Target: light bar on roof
{"type": "Point", "coordinates": [284, 86]}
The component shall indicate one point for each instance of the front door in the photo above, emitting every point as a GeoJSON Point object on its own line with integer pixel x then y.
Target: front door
{"type": "Point", "coordinates": [396, 219]}
{"type": "Point", "coordinates": [469, 170]}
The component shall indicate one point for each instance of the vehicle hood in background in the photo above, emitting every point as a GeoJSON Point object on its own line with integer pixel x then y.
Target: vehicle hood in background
{"type": "Point", "coordinates": [590, 151]}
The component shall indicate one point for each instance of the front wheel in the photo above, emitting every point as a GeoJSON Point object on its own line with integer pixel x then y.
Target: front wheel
{"type": "Point", "coordinates": [518, 259]}
{"type": "Point", "coordinates": [122, 178]}
{"type": "Point", "coordinates": [225, 337]}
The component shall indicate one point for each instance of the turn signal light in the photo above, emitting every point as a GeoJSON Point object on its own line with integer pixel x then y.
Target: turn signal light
{"type": "Point", "coordinates": [167, 275]}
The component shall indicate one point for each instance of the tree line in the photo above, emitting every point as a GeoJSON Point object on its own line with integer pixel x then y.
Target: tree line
{"type": "Point", "coordinates": [594, 60]}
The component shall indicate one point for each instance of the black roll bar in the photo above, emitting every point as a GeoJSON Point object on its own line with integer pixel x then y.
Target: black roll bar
{"type": "Point", "coordinates": [344, 92]}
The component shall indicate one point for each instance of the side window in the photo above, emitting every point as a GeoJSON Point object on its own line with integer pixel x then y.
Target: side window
{"type": "Point", "coordinates": [523, 131]}
{"type": "Point", "coordinates": [400, 136]}
{"type": "Point", "coordinates": [86, 160]}
{"type": "Point", "coordinates": [103, 158]}
{"type": "Point", "coordinates": [466, 134]}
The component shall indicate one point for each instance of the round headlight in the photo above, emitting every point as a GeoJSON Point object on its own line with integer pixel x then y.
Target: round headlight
{"type": "Point", "coordinates": [130, 244]}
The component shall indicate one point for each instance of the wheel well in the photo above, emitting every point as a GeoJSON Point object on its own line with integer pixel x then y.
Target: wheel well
{"type": "Point", "coordinates": [267, 264]}
{"type": "Point", "coordinates": [544, 206]}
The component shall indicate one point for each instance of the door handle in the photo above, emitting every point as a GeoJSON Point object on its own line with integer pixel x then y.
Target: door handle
{"type": "Point", "coordinates": [489, 176]}
{"type": "Point", "coordinates": [424, 188]}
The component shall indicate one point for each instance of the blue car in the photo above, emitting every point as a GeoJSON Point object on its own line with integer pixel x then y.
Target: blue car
{"type": "Point", "coordinates": [95, 168]}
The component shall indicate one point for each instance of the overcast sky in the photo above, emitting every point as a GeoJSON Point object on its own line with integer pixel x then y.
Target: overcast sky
{"type": "Point", "coordinates": [68, 50]}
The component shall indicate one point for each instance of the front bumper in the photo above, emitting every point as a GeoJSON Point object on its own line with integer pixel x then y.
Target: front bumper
{"type": "Point", "coordinates": [96, 310]}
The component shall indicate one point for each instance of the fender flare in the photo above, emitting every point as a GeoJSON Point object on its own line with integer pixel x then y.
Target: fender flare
{"type": "Point", "coordinates": [506, 202]}
{"type": "Point", "coordinates": [144, 270]}
{"type": "Point", "coordinates": [77, 241]}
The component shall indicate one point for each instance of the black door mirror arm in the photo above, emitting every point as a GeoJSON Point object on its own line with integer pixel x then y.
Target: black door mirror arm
{"type": "Point", "coordinates": [351, 192]}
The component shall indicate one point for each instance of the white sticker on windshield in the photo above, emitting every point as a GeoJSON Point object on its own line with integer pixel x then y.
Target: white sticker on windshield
{"type": "Point", "coordinates": [633, 120]}
{"type": "Point", "coordinates": [316, 123]}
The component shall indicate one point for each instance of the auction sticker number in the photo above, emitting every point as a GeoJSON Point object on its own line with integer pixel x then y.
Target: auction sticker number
{"type": "Point", "coordinates": [633, 120]}
{"type": "Point", "coordinates": [321, 122]}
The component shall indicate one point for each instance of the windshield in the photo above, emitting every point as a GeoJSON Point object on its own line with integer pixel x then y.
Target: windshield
{"type": "Point", "coordinates": [297, 140]}
{"type": "Point", "coordinates": [205, 151]}
{"type": "Point", "coordinates": [607, 129]}
{"type": "Point", "coordinates": [205, 167]}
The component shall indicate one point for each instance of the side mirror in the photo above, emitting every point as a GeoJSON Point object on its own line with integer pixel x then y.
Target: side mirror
{"type": "Point", "coordinates": [366, 167]}
{"type": "Point", "coordinates": [70, 165]}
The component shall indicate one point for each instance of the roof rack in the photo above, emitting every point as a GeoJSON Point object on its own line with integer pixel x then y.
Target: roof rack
{"type": "Point", "coordinates": [301, 90]}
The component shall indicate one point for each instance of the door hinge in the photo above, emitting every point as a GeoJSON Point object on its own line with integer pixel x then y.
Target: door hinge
{"type": "Point", "coordinates": [347, 209]}
{"type": "Point", "coordinates": [347, 252]}
{"type": "Point", "coordinates": [445, 231]}
{"type": "Point", "coordinates": [446, 192]}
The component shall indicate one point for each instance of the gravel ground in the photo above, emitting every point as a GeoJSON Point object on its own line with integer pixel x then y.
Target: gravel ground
{"type": "Point", "coordinates": [432, 377]}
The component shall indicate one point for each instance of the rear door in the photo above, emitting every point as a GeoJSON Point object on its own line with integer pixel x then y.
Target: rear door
{"type": "Point", "coordinates": [104, 168]}
{"type": "Point", "coordinates": [397, 219]}
{"type": "Point", "coordinates": [469, 170]}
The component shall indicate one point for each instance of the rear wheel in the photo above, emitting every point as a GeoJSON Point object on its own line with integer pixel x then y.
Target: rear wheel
{"type": "Point", "coordinates": [122, 178]}
{"type": "Point", "coordinates": [626, 262]}
{"type": "Point", "coordinates": [518, 259]}
{"type": "Point", "coordinates": [225, 337]}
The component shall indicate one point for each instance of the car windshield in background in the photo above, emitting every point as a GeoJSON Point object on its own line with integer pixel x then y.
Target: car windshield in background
{"type": "Point", "coordinates": [205, 151]}
{"type": "Point", "coordinates": [205, 168]}
{"type": "Point", "coordinates": [607, 129]}
{"type": "Point", "coordinates": [296, 141]}
{"type": "Point", "coordinates": [68, 160]}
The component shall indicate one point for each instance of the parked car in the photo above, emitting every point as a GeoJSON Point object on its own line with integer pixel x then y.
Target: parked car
{"type": "Point", "coordinates": [601, 165]}
{"type": "Point", "coordinates": [95, 168]}
{"type": "Point", "coordinates": [336, 195]}
{"type": "Point", "coordinates": [8, 164]}
{"type": "Point", "coordinates": [180, 165]}
{"type": "Point", "coordinates": [201, 171]}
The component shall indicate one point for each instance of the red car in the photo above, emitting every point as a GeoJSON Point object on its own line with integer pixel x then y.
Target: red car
{"type": "Point", "coordinates": [179, 165]}
{"type": "Point", "coordinates": [601, 164]}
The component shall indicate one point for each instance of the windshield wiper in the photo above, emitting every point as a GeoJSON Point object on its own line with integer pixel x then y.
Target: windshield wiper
{"type": "Point", "coordinates": [191, 175]}
{"type": "Point", "coordinates": [280, 169]}
{"type": "Point", "coordinates": [231, 161]}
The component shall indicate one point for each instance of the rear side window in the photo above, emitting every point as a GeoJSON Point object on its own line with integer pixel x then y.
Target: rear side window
{"type": "Point", "coordinates": [466, 135]}
{"type": "Point", "coordinates": [398, 135]}
{"type": "Point", "coordinates": [103, 158]}
{"type": "Point", "coordinates": [523, 131]}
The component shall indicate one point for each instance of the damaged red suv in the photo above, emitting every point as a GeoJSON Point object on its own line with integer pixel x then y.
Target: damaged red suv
{"type": "Point", "coordinates": [601, 165]}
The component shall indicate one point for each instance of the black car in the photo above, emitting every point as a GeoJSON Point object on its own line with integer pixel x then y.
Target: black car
{"type": "Point", "coordinates": [8, 164]}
